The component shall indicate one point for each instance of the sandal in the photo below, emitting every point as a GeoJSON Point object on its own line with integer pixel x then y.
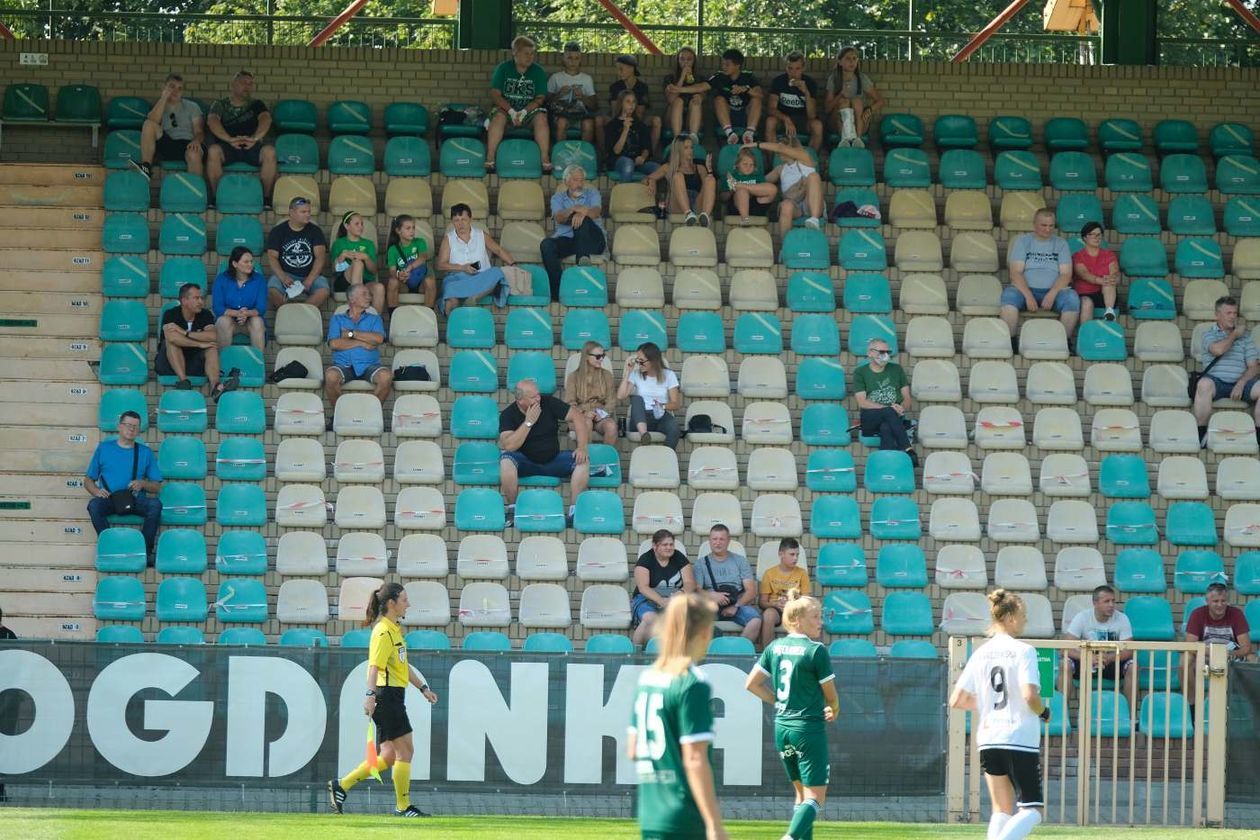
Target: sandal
{"type": "Point", "coordinates": [489, 167]}
{"type": "Point", "coordinates": [547, 167]}
{"type": "Point", "coordinates": [185, 385]}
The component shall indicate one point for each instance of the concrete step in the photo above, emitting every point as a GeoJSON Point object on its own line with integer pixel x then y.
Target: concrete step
{"type": "Point", "coordinates": [26, 414]}
{"type": "Point", "coordinates": [50, 174]}
{"type": "Point", "coordinates": [49, 604]}
{"type": "Point", "coordinates": [55, 556]}
{"type": "Point", "coordinates": [66, 485]}
{"type": "Point", "coordinates": [67, 281]}
{"type": "Point", "coordinates": [52, 218]}
{"type": "Point", "coordinates": [82, 628]}
{"type": "Point", "coordinates": [50, 581]}
{"type": "Point", "coordinates": [45, 195]}
{"type": "Point", "coordinates": [31, 237]}
{"type": "Point", "coordinates": [88, 260]}
{"type": "Point", "coordinates": [85, 393]}
{"type": "Point", "coordinates": [17, 304]}
{"type": "Point", "coordinates": [38, 347]}
{"type": "Point", "coordinates": [66, 326]}
{"type": "Point", "coordinates": [50, 448]}
{"type": "Point", "coordinates": [27, 531]}
{"type": "Point", "coordinates": [46, 370]}
{"type": "Point", "coordinates": [30, 506]}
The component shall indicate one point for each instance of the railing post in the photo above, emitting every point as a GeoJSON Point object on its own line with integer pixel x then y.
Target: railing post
{"type": "Point", "coordinates": [956, 756]}
{"type": "Point", "coordinates": [1217, 698]}
{"type": "Point", "coordinates": [699, 27]}
{"type": "Point", "coordinates": [271, 23]}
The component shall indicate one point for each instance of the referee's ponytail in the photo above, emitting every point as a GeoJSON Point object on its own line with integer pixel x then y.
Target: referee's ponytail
{"type": "Point", "coordinates": [376, 604]}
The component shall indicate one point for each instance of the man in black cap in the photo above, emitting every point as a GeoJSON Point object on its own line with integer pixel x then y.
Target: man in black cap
{"type": "Point", "coordinates": [297, 252]}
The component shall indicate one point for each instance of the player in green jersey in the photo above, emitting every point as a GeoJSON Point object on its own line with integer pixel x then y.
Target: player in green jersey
{"type": "Point", "coordinates": [794, 675]}
{"type": "Point", "coordinates": [672, 729]}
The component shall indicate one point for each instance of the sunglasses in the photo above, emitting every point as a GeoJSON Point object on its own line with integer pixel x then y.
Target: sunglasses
{"type": "Point", "coordinates": [599, 356]}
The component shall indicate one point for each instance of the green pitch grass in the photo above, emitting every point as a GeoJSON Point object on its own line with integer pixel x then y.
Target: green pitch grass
{"type": "Point", "coordinates": [59, 824]}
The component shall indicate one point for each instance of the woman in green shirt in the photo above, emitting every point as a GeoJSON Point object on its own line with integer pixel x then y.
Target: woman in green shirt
{"type": "Point", "coordinates": [354, 259]}
{"type": "Point", "coordinates": [406, 258]}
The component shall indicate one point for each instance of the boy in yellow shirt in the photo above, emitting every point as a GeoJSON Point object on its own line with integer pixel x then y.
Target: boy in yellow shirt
{"type": "Point", "coordinates": [775, 584]}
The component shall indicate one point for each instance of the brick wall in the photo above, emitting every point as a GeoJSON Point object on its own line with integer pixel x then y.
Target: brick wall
{"type": "Point", "coordinates": [1038, 91]}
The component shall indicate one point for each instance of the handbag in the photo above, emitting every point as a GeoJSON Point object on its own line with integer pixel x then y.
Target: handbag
{"type": "Point", "coordinates": [1192, 384]}
{"type": "Point", "coordinates": [124, 501]}
{"type": "Point", "coordinates": [411, 373]}
{"type": "Point", "coordinates": [702, 424]}
{"type": "Point", "coordinates": [728, 589]}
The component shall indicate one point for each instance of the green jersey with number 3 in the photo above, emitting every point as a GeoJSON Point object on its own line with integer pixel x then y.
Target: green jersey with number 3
{"type": "Point", "coordinates": [669, 711]}
{"type": "Point", "coordinates": [797, 667]}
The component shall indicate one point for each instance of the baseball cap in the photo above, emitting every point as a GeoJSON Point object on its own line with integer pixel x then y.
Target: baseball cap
{"type": "Point", "coordinates": [298, 201]}
{"type": "Point", "coordinates": [573, 46]}
{"type": "Point", "coordinates": [627, 59]}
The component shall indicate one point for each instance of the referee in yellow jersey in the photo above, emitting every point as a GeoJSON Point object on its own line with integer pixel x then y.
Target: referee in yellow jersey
{"type": "Point", "coordinates": [387, 677]}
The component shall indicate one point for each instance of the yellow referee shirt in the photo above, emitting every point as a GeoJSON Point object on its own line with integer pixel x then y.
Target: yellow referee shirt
{"type": "Point", "coordinates": [388, 653]}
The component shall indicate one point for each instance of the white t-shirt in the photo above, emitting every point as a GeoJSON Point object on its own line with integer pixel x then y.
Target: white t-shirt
{"type": "Point", "coordinates": [655, 393]}
{"type": "Point", "coordinates": [562, 79]}
{"type": "Point", "coordinates": [1088, 628]}
{"type": "Point", "coordinates": [792, 173]}
{"type": "Point", "coordinates": [996, 674]}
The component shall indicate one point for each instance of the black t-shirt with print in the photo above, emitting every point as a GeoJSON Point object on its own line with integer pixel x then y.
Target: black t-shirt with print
{"type": "Point", "coordinates": [296, 247]}
{"type": "Point", "coordinates": [239, 120]}
{"type": "Point", "coordinates": [791, 100]}
{"type": "Point", "coordinates": [722, 84]}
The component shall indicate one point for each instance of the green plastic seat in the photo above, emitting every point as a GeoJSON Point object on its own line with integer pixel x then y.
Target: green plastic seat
{"type": "Point", "coordinates": [1124, 477]}
{"type": "Point", "coordinates": [1101, 341]}
{"type": "Point", "coordinates": [120, 550]}
{"type": "Point", "coordinates": [889, 471]}
{"type": "Point", "coordinates": [297, 154]}
{"type": "Point", "coordinates": [825, 424]}
{"type": "Point", "coordinates": [351, 155]}
{"type": "Point", "coordinates": [1140, 570]}
{"type": "Point", "coordinates": [474, 418]}
{"type": "Point", "coordinates": [470, 327]}
{"type": "Point", "coordinates": [123, 364]}
{"type": "Point", "coordinates": [126, 192]}
{"type": "Point", "coordinates": [868, 293]}
{"type": "Point", "coordinates": [1242, 216]}
{"type": "Point", "coordinates": [835, 517]}
{"type": "Point", "coordinates": [1010, 132]}
{"type": "Point", "coordinates": [125, 276]}
{"type": "Point", "coordinates": [179, 635]}
{"type": "Point", "coordinates": [700, 332]}
{"type": "Point", "coordinates": [249, 636]}
{"type": "Point", "coordinates": [539, 510]}
{"type": "Point", "coordinates": [1197, 569]}
{"type": "Point", "coordinates": [1238, 175]}
{"type": "Point", "coordinates": [1131, 523]}
{"type": "Point", "coordinates": [815, 335]}
{"type": "Point", "coordinates": [120, 634]}
{"type": "Point", "coordinates": [181, 551]}
{"type": "Point", "coordinates": [127, 112]}
{"type": "Point", "coordinates": [241, 553]}
{"type": "Point", "coordinates": [476, 462]}
{"type": "Point", "coordinates": [599, 512]}
{"type": "Point", "coordinates": [297, 115]}
{"type": "Point", "coordinates": [125, 233]}
{"type": "Point", "coordinates": [532, 364]}
{"type": "Point", "coordinates": [897, 130]}
{"type": "Point", "coordinates": [584, 285]}
{"type": "Point", "coordinates": [808, 291]}
{"type": "Point", "coordinates": [1143, 256]}
{"type": "Point", "coordinates": [863, 250]}
{"type": "Point", "coordinates": [117, 400]}
{"type": "Point", "coordinates": [182, 234]}
{"type": "Point", "coordinates": [1199, 257]}
{"type": "Point", "coordinates": [491, 641]}
{"type": "Point", "coordinates": [1152, 299]}
{"type": "Point", "coordinates": [240, 459]}
{"type": "Point", "coordinates": [725, 162]}
{"type": "Point", "coordinates": [1119, 135]}
{"type": "Point", "coordinates": [1111, 714]}
{"type": "Point", "coordinates": [462, 157]}
{"type": "Point", "coordinates": [124, 319]}
{"type": "Point", "coordinates": [518, 159]}
{"type": "Point", "coordinates": [851, 167]}
{"type": "Point", "coordinates": [239, 192]}
{"type": "Point", "coordinates": [1183, 173]}
{"type": "Point", "coordinates": [462, 129]}
{"type": "Point", "coordinates": [241, 506]}
{"type": "Point", "coordinates": [349, 116]}
{"type": "Point", "coordinates": [1075, 209]}
{"type": "Point", "coordinates": [853, 649]}
{"type": "Point", "coordinates": [831, 471]}
{"type": "Point", "coordinates": [841, 564]}
{"type": "Point", "coordinates": [1017, 169]}
{"type": "Point", "coordinates": [963, 169]}
{"type": "Point", "coordinates": [1247, 573]}
{"type": "Point", "coordinates": [866, 327]}
{"type": "Point", "coordinates": [183, 192]}
{"type": "Point", "coordinates": [183, 504]}
{"type": "Point", "coordinates": [1135, 213]}
{"type": "Point", "coordinates": [428, 640]}
{"type": "Point", "coordinates": [1166, 715]}
{"type": "Point", "coordinates": [731, 646]}
{"type": "Point", "coordinates": [360, 639]}
{"type": "Point", "coordinates": [303, 637]}
{"type": "Point", "coordinates": [955, 131]}
{"type": "Point", "coordinates": [579, 327]}
{"type": "Point", "coordinates": [848, 613]}
{"type": "Point", "coordinates": [1231, 138]}
{"type": "Point", "coordinates": [1172, 136]}
{"type": "Point", "coordinates": [913, 649]}
{"type": "Point", "coordinates": [603, 455]}
{"type": "Point", "coordinates": [234, 231]}
{"type": "Point", "coordinates": [901, 566]}
{"type": "Point", "coordinates": [806, 248]}
{"type": "Point", "coordinates": [530, 328]}
{"type": "Point", "coordinates": [1151, 617]}
{"type": "Point", "coordinates": [406, 118]}
{"type": "Point", "coordinates": [609, 643]}
{"type": "Point", "coordinates": [407, 156]}
{"type": "Point", "coordinates": [479, 509]}
{"type": "Point", "coordinates": [241, 601]}
{"type": "Point", "coordinates": [240, 413]}
{"type": "Point", "coordinates": [637, 327]}
{"type": "Point", "coordinates": [1066, 134]}
{"type": "Point", "coordinates": [820, 379]}
{"type": "Point", "coordinates": [758, 333]}
{"type": "Point", "coordinates": [180, 412]}
{"type": "Point", "coordinates": [121, 147]}
{"type": "Point", "coordinates": [1190, 523]}
{"type": "Point", "coordinates": [907, 614]}
{"type": "Point", "coordinates": [577, 152]}
{"type": "Point", "coordinates": [25, 102]}
{"type": "Point", "coordinates": [119, 598]}
{"type": "Point", "coordinates": [895, 518]}
{"type": "Point", "coordinates": [547, 643]}
{"type": "Point", "coordinates": [907, 168]}
{"type": "Point", "coordinates": [859, 196]}
{"type": "Point", "coordinates": [1071, 170]}
{"type": "Point", "coordinates": [182, 457]}
{"type": "Point", "coordinates": [1193, 215]}
{"type": "Point", "coordinates": [176, 271]}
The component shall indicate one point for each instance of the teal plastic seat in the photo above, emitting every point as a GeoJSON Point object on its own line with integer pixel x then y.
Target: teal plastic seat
{"type": "Point", "coordinates": [1199, 257]}
{"type": "Point", "coordinates": [603, 455]}
{"type": "Point", "coordinates": [479, 509]}
{"type": "Point", "coordinates": [1252, 612]}
{"type": "Point", "coordinates": [815, 335]}
{"type": "Point", "coordinates": [895, 518]}
{"type": "Point", "coordinates": [473, 371]}
{"type": "Point", "coordinates": [955, 131]}
{"type": "Point", "coordinates": [851, 167]}
{"type": "Point", "coordinates": [758, 333]}
{"type": "Point", "coordinates": [1166, 715]}
{"type": "Point", "coordinates": [1017, 170]}
{"type": "Point", "coordinates": [470, 327]}
{"type": "Point", "coordinates": [240, 413]}
{"type": "Point", "coordinates": [532, 364]}
{"type": "Point", "coordinates": [1173, 136]}
{"type": "Point", "coordinates": [1135, 213]}
{"type": "Point", "coordinates": [1196, 569]}
{"type": "Point", "coordinates": [349, 116]}
{"type": "Point", "coordinates": [841, 564]}
{"type": "Point", "coordinates": [241, 601]}
{"type": "Point", "coordinates": [1193, 215]}
{"type": "Point", "coordinates": [584, 285]}
{"type": "Point", "coordinates": [888, 471]}
{"type": "Point", "coordinates": [1230, 138]}
{"type": "Point", "coordinates": [518, 159]}
{"type": "Point", "coordinates": [247, 636]}
{"type": "Point", "coordinates": [731, 646]}
{"type": "Point", "coordinates": [1181, 173]}
{"type": "Point", "coordinates": [599, 512]}
{"type": "Point", "coordinates": [241, 506]}
{"type": "Point", "coordinates": [123, 364]}
{"type": "Point", "coordinates": [609, 643]}
{"type": "Point", "coordinates": [127, 112]}
{"type": "Point", "coordinates": [248, 360]}
{"type": "Point", "coordinates": [181, 599]}
{"type": "Point", "coordinates": [867, 327]}
{"type": "Point", "coordinates": [1119, 135]}
{"type": "Point", "coordinates": [1073, 171]}
{"type": "Point", "coordinates": [1111, 714]}
{"type": "Point", "coordinates": [462, 157]}
{"type": "Point", "coordinates": [121, 147]}
{"type": "Point", "coordinates": [700, 332]}
{"type": "Point", "coordinates": [639, 326]}
{"type": "Point", "coordinates": [428, 640]}
{"type": "Point", "coordinates": [182, 457]}
{"type": "Point", "coordinates": [303, 637]}
{"type": "Point", "coordinates": [1124, 477]}
{"type": "Point", "coordinates": [900, 130]}
{"type": "Point", "coordinates": [181, 234]}
{"type": "Point", "coordinates": [295, 115]}
{"type": "Point", "coordinates": [119, 598]}
{"type": "Point", "coordinates": [491, 641]}
{"type": "Point", "coordinates": [180, 635]}
{"type": "Point", "coordinates": [238, 192]}
{"type": "Point", "coordinates": [579, 327]}
{"type": "Point", "coordinates": [825, 424]}
{"type": "Point", "coordinates": [297, 154]}
{"type": "Point", "coordinates": [806, 248]}
{"type": "Point", "coordinates": [913, 649]}
{"type": "Point", "coordinates": [1242, 216]}
{"type": "Point", "coordinates": [125, 233]}
{"type": "Point", "coordinates": [819, 378]}
{"type": "Point", "coordinates": [406, 118]}
{"type": "Point", "coordinates": [120, 635]}
{"type": "Point", "coordinates": [241, 553]}
{"type": "Point", "coordinates": [907, 168]}
{"type": "Point", "coordinates": [907, 614]}
{"type": "Point", "coordinates": [1131, 523]}
{"type": "Point", "coordinates": [1247, 573]}
{"type": "Point", "coordinates": [901, 566]}
{"type": "Point", "coordinates": [475, 418]}
{"type": "Point", "coordinates": [867, 293]}
{"type": "Point", "coordinates": [863, 250]}
{"type": "Point", "coordinates": [1066, 134]}
{"type": "Point", "coordinates": [1238, 175]}
{"type": "Point", "coordinates": [25, 102]}
{"type": "Point", "coordinates": [539, 511]}
{"type": "Point", "coordinates": [1190, 523]}
{"type": "Point", "coordinates": [117, 400]}
{"type": "Point", "coordinates": [183, 504]}
{"type": "Point", "coordinates": [1151, 617]}
{"type": "Point", "coordinates": [176, 271]}
{"type": "Point", "coordinates": [1143, 256]}
{"type": "Point", "coordinates": [1140, 570]}
{"type": "Point", "coordinates": [1010, 132]}
{"type": "Point", "coordinates": [126, 192]}
{"type": "Point", "coordinates": [351, 154]}
{"type": "Point", "coordinates": [530, 328]}
{"type": "Point", "coordinates": [1152, 299]}
{"type": "Point", "coordinates": [120, 550]}
{"type": "Point", "coordinates": [567, 153]}
{"type": "Point", "coordinates": [463, 129]}
{"type": "Point", "coordinates": [811, 291]}
{"type": "Point", "coordinates": [547, 643]}
{"type": "Point", "coordinates": [124, 319]}
{"type": "Point", "coordinates": [180, 412]}
{"type": "Point", "coordinates": [240, 459]}
{"type": "Point", "coordinates": [476, 462]}
{"type": "Point", "coordinates": [859, 196]}
{"type": "Point", "coordinates": [1075, 209]}
{"type": "Point", "coordinates": [963, 169]}
{"type": "Point", "coordinates": [1101, 341]}
{"type": "Point", "coordinates": [830, 471]}
{"type": "Point", "coordinates": [407, 157]}
{"type": "Point", "coordinates": [125, 276]}
{"type": "Point", "coordinates": [853, 649]}
{"type": "Point", "coordinates": [848, 613]}
{"type": "Point", "coordinates": [360, 639]}
{"type": "Point", "coordinates": [835, 517]}
{"type": "Point", "coordinates": [183, 192]}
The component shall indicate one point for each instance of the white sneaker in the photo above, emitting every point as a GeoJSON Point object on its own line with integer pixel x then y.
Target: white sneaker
{"type": "Point", "coordinates": [814, 222]}
{"type": "Point", "coordinates": [690, 219]}
{"type": "Point", "coordinates": [1109, 314]}
{"type": "Point", "coordinates": [857, 143]}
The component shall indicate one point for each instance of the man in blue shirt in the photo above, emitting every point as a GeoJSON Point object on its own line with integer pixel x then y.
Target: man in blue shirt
{"type": "Point", "coordinates": [113, 464]}
{"type": "Point", "coordinates": [576, 209]}
{"type": "Point", "coordinates": [1040, 265]}
{"type": "Point", "coordinates": [355, 337]}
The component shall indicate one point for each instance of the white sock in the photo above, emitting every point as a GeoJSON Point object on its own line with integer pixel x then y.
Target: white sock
{"type": "Point", "coordinates": [1021, 825]}
{"type": "Point", "coordinates": [996, 823]}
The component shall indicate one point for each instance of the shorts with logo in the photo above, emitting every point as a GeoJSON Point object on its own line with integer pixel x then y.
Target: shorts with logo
{"type": "Point", "coordinates": [390, 716]}
{"type": "Point", "coordinates": [1024, 769]}
{"type": "Point", "coordinates": [804, 754]}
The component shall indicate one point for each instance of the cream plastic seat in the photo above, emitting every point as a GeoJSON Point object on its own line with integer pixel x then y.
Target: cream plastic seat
{"type": "Point", "coordinates": [1013, 520]}
{"type": "Point", "coordinates": [1043, 338]}
{"type": "Point", "coordinates": [1058, 429]}
{"type": "Point", "coordinates": [942, 427]}
{"type": "Point", "coordinates": [352, 192]}
{"type": "Point", "coordinates": [1249, 301]}
{"type": "Point", "coordinates": [705, 376]}
{"type": "Point", "coordinates": [654, 468]}
{"type": "Point", "coordinates": [289, 187]}
{"type": "Point", "coordinates": [300, 506]}
{"type": "Point", "coordinates": [544, 605]}
{"type": "Point", "coordinates": [930, 337]}
{"type": "Point", "coordinates": [1158, 341]}
{"type": "Point", "coordinates": [523, 240]}
{"type": "Point", "coordinates": [636, 244]}
{"type": "Point", "coordinates": [413, 326]}
{"type": "Point", "coordinates": [1040, 618]}
{"type": "Point", "coordinates": [1018, 209]}
{"type": "Point", "coordinates": [1115, 430]}
{"type": "Point", "coordinates": [1074, 605]}
{"type": "Point", "coordinates": [466, 191]}
{"type": "Point", "coordinates": [1198, 302]}
{"type": "Point", "coordinates": [754, 289]}
{"type": "Point", "coordinates": [309, 358]}
{"type": "Point", "coordinates": [717, 508]}
{"type": "Point", "coordinates": [935, 380]}
{"type": "Point", "coordinates": [640, 287]}
{"type": "Point", "coordinates": [776, 515]}
{"type": "Point", "coordinates": [1166, 386]}
{"type": "Point", "coordinates": [657, 509]}
{"type": "Point", "coordinates": [299, 324]}
{"type": "Point", "coordinates": [1050, 383]}
{"type": "Point", "coordinates": [968, 210]}
{"type": "Point", "coordinates": [484, 604]}
{"type": "Point", "coordinates": [978, 295]}
{"type": "Point", "coordinates": [748, 247]}
{"type": "Point", "coordinates": [358, 415]}
{"type": "Point", "coordinates": [993, 382]}
{"type": "Point", "coordinates": [300, 460]}
{"type": "Point", "coordinates": [361, 553]}
{"type": "Point", "coordinates": [999, 427]}
{"type": "Point", "coordinates": [966, 613]}
{"type": "Point", "coordinates": [912, 208]}
{"type": "Point", "coordinates": [954, 520]}
{"type": "Point", "coordinates": [1246, 263]}
{"type": "Point", "coordinates": [360, 506]}
{"type": "Point", "coordinates": [1238, 478]}
{"type": "Point", "coordinates": [542, 557]}
{"type": "Point", "coordinates": [420, 509]}
{"type": "Point", "coordinates": [986, 338]}
{"type": "Point", "coordinates": [948, 473]}
{"type": "Point", "coordinates": [303, 601]}
{"type": "Point", "coordinates": [430, 604]}
{"type": "Point", "coordinates": [1174, 432]}
{"type": "Point", "coordinates": [771, 469]}
{"type": "Point", "coordinates": [697, 288]}
{"type": "Point", "coordinates": [1079, 568]}
{"type": "Point", "coordinates": [409, 196]}
{"type": "Point", "coordinates": [603, 559]}
{"type": "Point", "coordinates": [627, 202]}
{"type": "Point", "coordinates": [1231, 433]}
{"type": "Point", "coordinates": [1182, 477]}
{"type": "Point", "coordinates": [416, 416]}
{"type": "Point", "coordinates": [1108, 383]}
{"type": "Point", "coordinates": [521, 200]}
{"type": "Point", "coordinates": [923, 294]}
{"type": "Point", "coordinates": [1242, 525]}
{"type": "Point", "coordinates": [693, 246]}
{"type": "Point", "coordinates": [605, 606]}
{"type": "Point", "coordinates": [1006, 474]}
{"type": "Point", "coordinates": [418, 462]}
{"type": "Point", "coordinates": [722, 420]}
{"type": "Point", "coordinates": [1064, 474]}
{"type": "Point", "coordinates": [961, 567]}
{"type": "Point", "coordinates": [711, 468]}
{"type": "Point", "coordinates": [975, 251]}
{"type": "Point", "coordinates": [301, 553]}
{"type": "Point", "coordinates": [918, 250]}
{"type": "Point", "coordinates": [482, 557]}
{"type": "Point", "coordinates": [427, 358]}
{"type": "Point", "coordinates": [766, 424]}
{"type": "Point", "coordinates": [359, 461]}
{"type": "Point", "coordinates": [299, 413]}
{"type": "Point", "coordinates": [1020, 567]}
{"type": "Point", "coordinates": [762, 378]}
{"type": "Point", "coordinates": [423, 556]}
{"type": "Point", "coordinates": [1072, 521]}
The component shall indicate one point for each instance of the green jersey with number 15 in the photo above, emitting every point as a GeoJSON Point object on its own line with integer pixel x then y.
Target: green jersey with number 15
{"type": "Point", "coordinates": [669, 711]}
{"type": "Point", "coordinates": [797, 667]}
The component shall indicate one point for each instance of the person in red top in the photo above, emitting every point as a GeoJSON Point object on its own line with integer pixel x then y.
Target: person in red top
{"type": "Point", "coordinates": [1217, 623]}
{"type": "Point", "coordinates": [1095, 274]}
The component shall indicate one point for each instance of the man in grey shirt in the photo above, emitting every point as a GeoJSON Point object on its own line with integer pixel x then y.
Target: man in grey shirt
{"type": "Point", "coordinates": [1236, 374]}
{"type": "Point", "coordinates": [728, 581]}
{"type": "Point", "coordinates": [173, 130]}
{"type": "Point", "coordinates": [1040, 268]}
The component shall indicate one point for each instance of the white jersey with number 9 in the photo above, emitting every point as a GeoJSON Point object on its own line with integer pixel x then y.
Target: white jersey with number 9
{"type": "Point", "coordinates": [996, 675]}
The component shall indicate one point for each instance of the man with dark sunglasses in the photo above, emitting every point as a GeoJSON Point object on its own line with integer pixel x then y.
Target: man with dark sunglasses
{"type": "Point", "coordinates": [173, 130]}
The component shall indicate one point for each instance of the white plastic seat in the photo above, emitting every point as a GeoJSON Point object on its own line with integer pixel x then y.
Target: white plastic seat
{"type": "Point", "coordinates": [300, 506]}
{"type": "Point", "coordinates": [1006, 474]}
{"type": "Point", "coordinates": [359, 461]}
{"type": "Point", "coordinates": [1040, 617]}
{"type": "Point", "coordinates": [986, 338]}
{"type": "Point", "coordinates": [1238, 478]}
{"type": "Point", "coordinates": [627, 201]}
{"type": "Point", "coordinates": [300, 324]}
{"type": "Point", "coordinates": [657, 509]}
{"type": "Point", "coordinates": [299, 413]}
{"type": "Point", "coordinates": [749, 247]}
{"type": "Point", "coordinates": [1058, 429]}
{"type": "Point", "coordinates": [1242, 525]}
{"type": "Point", "coordinates": [978, 295]}
{"type": "Point", "coordinates": [1079, 568]}
{"type": "Point", "coordinates": [353, 192]}
{"type": "Point", "coordinates": [1174, 432]}
{"type": "Point", "coordinates": [416, 416]}
{"type": "Point", "coordinates": [961, 567]}
{"type": "Point", "coordinates": [1072, 521]}
{"type": "Point", "coordinates": [420, 509]}
{"type": "Point", "coordinates": [711, 468]}
{"type": "Point", "coordinates": [966, 613]}
{"type": "Point", "coordinates": [942, 427]}
{"type": "Point", "coordinates": [999, 427]}
{"type": "Point", "coordinates": [362, 553]}
{"type": "Point", "coordinates": [603, 559]}
{"type": "Point", "coordinates": [923, 294]}
{"type": "Point", "coordinates": [762, 378]}
{"type": "Point", "coordinates": [1232, 433]}
{"type": "Point", "coordinates": [948, 473]}
{"type": "Point", "coordinates": [410, 196]}
{"type": "Point", "coordinates": [1043, 338]}
{"type": "Point", "coordinates": [776, 515]}
{"type": "Point", "coordinates": [1182, 477]}
{"type": "Point", "coordinates": [1064, 474]}
{"type": "Point", "coordinates": [429, 604]}
{"type": "Point", "coordinates": [521, 200]}
{"type": "Point", "coordinates": [768, 557]}
{"type": "Point", "coordinates": [771, 469]}
{"type": "Point", "coordinates": [640, 287]}
{"type": "Point", "coordinates": [696, 288]}
{"type": "Point", "coordinates": [974, 250]}
{"type": "Point", "coordinates": [1050, 383]}
{"type": "Point", "coordinates": [918, 250]}
{"type": "Point", "coordinates": [482, 557]}
{"type": "Point", "coordinates": [484, 604]}
{"type": "Point", "coordinates": [717, 508]}
{"type": "Point", "coordinates": [1115, 430]}
{"type": "Point", "coordinates": [1199, 298]}
{"type": "Point", "coordinates": [309, 358]}
{"type": "Point", "coordinates": [1246, 262]}
{"type": "Point", "coordinates": [544, 605]}
{"type": "Point", "coordinates": [1074, 605]}
{"type": "Point", "coordinates": [1249, 301]}
{"type": "Point", "coordinates": [1166, 386]}
{"type": "Point", "coordinates": [693, 246]}
{"type": "Point", "coordinates": [301, 553]}
{"type": "Point", "coordinates": [413, 326]}
{"type": "Point", "coordinates": [1020, 567]}
{"type": "Point", "coordinates": [705, 375]}
{"type": "Point", "coordinates": [753, 290]}
{"type": "Point", "coordinates": [1108, 383]}
{"type": "Point", "coordinates": [358, 415]}
{"type": "Point", "coordinates": [418, 462]}
{"type": "Point", "coordinates": [1013, 520]}
{"type": "Point", "coordinates": [423, 556]}
{"type": "Point", "coordinates": [301, 459]}
{"type": "Point", "coordinates": [302, 601]}
{"type": "Point", "coordinates": [929, 337]}
{"type": "Point", "coordinates": [360, 507]}
{"type": "Point", "coordinates": [654, 468]}
{"type": "Point", "coordinates": [766, 424]}
{"type": "Point", "coordinates": [993, 382]}
{"type": "Point", "coordinates": [410, 357]}
{"type": "Point", "coordinates": [523, 239]}
{"type": "Point", "coordinates": [935, 380]}
{"type": "Point", "coordinates": [605, 606]}
{"type": "Point", "coordinates": [1158, 341]}
{"type": "Point", "coordinates": [542, 557]}
{"type": "Point", "coordinates": [720, 415]}
{"type": "Point", "coordinates": [954, 520]}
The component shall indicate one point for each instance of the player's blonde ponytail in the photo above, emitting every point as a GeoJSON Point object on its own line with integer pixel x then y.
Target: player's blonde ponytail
{"type": "Point", "coordinates": [797, 606]}
{"type": "Point", "coordinates": [686, 619]}
{"type": "Point", "coordinates": [1004, 606]}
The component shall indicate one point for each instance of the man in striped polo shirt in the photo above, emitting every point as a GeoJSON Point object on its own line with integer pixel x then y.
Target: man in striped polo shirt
{"type": "Point", "coordinates": [1236, 372]}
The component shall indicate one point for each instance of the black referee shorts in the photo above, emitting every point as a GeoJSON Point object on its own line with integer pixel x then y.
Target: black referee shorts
{"type": "Point", "coordinates": [1024, 768]}
{"type": "Point", "coordinates": [390, 716]}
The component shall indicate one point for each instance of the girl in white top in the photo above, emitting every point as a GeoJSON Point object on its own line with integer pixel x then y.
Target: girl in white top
{"type": "Point", "coordinates": [800, 185]}
{"type": "Point", "coordinates": [1002, 685]}
{"type": "Point", "coordinates": [464, 256]}
{"type": "Point", "coordinates": [653, 392]}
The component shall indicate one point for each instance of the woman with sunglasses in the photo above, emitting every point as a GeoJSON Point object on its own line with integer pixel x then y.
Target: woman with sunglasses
{"type": "Point", "coordinates": [590, 390]}
{"type": "Point", "coordinates": [654, 394]}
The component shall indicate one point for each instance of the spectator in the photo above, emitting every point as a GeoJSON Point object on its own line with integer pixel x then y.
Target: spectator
{"type": "Point", "coordinates": [240, 299]}
{"type": "Point", "coordinates": [576, 209]}
{"type": "Point", "coordinates": [571, 95]}
{"type": "Point", "coordinates": [188, 343]}
{"type": "Point", "coordinates": [728, 581]}
{"type": "Point", "coordinates": [124, 463]}
{"type": "Point", "coordinates": [775, 585]}
{"type": "Point", "coordinates": [1097, 274]}
{"type": "Point", "coordinates": [407, 256]}
{"type": "Point", "coordinates": [1103, 623]}
{"type": "Point", "coordinates": [792, 105]}
{"type": "Point", "coordinates": [297, 253]}
{"type": "Point", "coordinates": [852, 99]}
{"type": "Point", "coordinates": [518, 90]}
{"type": "Point", "coordinates": [744, 183]}
{"type": "Point", "coordinates": [737, 98]}
{"type": "Point", "coordinates": [799, 184]}
{"type": "Point", "coordinates": [354, 259]}
{"type": "Point", "coordinates": [1040, 265]}
{"type": "Point", "coordinates": [1215, 623]}
{"type": "Point", "coordinates": [628, 140]}
{"type": "Point", "coordinates": [1235, 366]}
{"type": "Point", "coordinates": [173, 130]}
{"type": "Point", "coordinates": [658, 575]}
{"type": "Point", "coordinates": [683, 96]}
{"type": "Point", "coordinates": [590, 391]}
{"type": "Point", "coordinates": [238, 123]}
{"type": "Point", "coordinates": [627, 67]}
{"type": "Point", "coordinates": [355, 336]}
{"type": "Point", "coordinates": [6, 635]}
{"type": "Point", "coordinates": [654, 395]}
{"type": "Point", "coordinates": [528, 438]}
{"type": "Point", "coordinates": [883, 397]}
{"type": "Point", "coordinates": [691, 183]}
{"type": "Point", "coordinates": [465, 257]}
